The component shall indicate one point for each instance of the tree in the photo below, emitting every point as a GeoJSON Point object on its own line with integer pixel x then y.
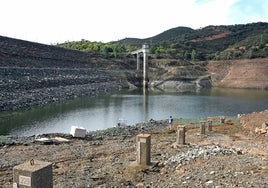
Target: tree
{"type": "Point", "coordinates": [193, 55]}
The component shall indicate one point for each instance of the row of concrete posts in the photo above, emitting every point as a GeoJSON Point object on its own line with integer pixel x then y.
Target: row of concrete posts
{"type": "Point", "coordinates": [203, 126]}
{"type": "Point", "coordinates": [38, 174]}
{"type": "Point", "coordinates": [144, 146]}
{"type": "Point", "coordinates": [144, 142]}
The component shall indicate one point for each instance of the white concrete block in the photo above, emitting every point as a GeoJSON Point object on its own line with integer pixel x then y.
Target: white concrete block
{"type": "Point", "coordinates": [78, 131]}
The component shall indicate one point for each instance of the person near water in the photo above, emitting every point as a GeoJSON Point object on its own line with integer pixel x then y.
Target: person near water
{"type": "Point", "coordinates": [170, 122]}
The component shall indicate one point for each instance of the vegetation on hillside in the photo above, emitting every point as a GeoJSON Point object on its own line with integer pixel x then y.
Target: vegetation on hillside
{"type": "Point", "coordinates": [208, 43]}
{"type": "Point", "coordinates": [99, 48]}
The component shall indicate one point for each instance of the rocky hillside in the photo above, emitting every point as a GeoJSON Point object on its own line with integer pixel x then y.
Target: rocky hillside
{"type": "Point", "coordinates": [180, 75]}
{"type": "Point", "coordinates": [185, 75]}
{"type": "Point", "coordinates": [222, 42]}
{"type": "Point", "coordinates": [35, 74]}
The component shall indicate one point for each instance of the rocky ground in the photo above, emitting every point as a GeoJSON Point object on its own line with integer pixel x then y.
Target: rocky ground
{"type": "Point", "coordinates": [26, 87]}
{"type": "Point", "coordinates": [228, 156]}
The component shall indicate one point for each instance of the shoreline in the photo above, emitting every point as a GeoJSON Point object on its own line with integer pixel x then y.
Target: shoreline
{"type": "Point", "coordinates": [109, 132]}
{"type": "Point", "coordinates": [253, 126]}
{"type": "Point", "coordinates": [139, 126]}
{"type": "Point", "coordinates": [119, 130]}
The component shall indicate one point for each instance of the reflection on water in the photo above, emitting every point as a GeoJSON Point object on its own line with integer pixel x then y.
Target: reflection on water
{"type": "Point", "coordinates": [134, 106]}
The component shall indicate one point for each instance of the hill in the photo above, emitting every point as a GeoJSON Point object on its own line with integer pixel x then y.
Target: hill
{"type": "Point", "coordinates": [211, 42]}
{"type": "Point", "coordinates": [208, 43]}
{"type": "Point", "coordinates": [15, 52]}
{"type": "Point", "coordinates": [170, 35]}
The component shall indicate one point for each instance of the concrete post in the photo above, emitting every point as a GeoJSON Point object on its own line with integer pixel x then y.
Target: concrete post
{"type": "Point", "coordinates": [222, 119]}
{"type": "Point", "coordinates": [181, 135]}
{"type": "Point", "coordinates": [33, 174]}
{"type": "Point", "coordinates": [210, 125]}
{"type": "Point", "coordinates": [202, 127]}
{"type": "Point", "coordinates": [145, 50]}
{"type": "Point", "coordinates": [144, 149]}
{"type": "Point", "coordinates": [138, 61]}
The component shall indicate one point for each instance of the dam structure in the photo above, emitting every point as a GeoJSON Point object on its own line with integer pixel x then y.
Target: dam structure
{"type": "Point", "coordinates": [145, 51]}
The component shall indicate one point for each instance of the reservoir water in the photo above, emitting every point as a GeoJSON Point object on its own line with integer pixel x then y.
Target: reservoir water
{"type": "Point", "coordinates": [94, 113]}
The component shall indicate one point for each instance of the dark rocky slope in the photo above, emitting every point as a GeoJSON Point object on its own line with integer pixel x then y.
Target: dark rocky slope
{"type": "Point", "coordinates": [35, 74]}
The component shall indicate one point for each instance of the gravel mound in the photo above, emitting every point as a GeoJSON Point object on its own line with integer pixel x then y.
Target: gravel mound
{"type": "Point", "coordinates": [197, 151]}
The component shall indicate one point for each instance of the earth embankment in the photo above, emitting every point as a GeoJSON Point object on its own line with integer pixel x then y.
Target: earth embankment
{"type": "Point", "coordinates": [35, 74]}
{"type": "Point", "coordinates": [246, 73]}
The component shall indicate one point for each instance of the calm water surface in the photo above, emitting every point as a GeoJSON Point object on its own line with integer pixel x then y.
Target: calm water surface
{"type": "Point", "coordinates": [133, 106]}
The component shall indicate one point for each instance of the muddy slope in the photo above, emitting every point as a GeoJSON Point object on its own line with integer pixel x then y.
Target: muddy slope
{"type": "Point", "coordinates": [246, 73]}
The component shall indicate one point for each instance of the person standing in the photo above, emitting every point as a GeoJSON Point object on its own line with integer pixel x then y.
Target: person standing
{"type": "Point", "coordinates": [170, 122]}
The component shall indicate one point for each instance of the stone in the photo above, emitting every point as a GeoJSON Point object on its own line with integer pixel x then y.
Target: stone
{"type": "Point", "coordinates": [60, 140]}
{"type": "Point", "coordinates": [209, 182]}
{"type": "Point", "coordinates": [140, 185]}
{"type": "Point", "coordinates": [264, 126]}
{"type": "Point", "coordinates": [212, 172]}
{"type": "Point", "coordinates": [263, 131]}
{"type": "Point", "coordinates": [257, 130]}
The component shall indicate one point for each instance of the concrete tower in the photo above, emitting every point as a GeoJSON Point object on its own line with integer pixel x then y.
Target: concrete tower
{"type": "Point", "coordinates": [145, 50]}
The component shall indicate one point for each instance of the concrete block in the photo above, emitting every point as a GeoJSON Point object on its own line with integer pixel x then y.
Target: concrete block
{"type": "Point", "coordinates": [33, 174]}
{"type": "Point", "coordinates": [222, 119]}
{"type": "Point", "coordinates": [202, 127]}
{"type": "Point", "coordinates": [143, 149]}
{"type": "Point", "coordinates": [209, 125]}
{"type": "Point", "coordinates": [181, 135]}
{"type": "Point", "coordinates": [78, 131]}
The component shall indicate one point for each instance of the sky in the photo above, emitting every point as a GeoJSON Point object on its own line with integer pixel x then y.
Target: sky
{"type": "Point", "coordinates": [58, 21]}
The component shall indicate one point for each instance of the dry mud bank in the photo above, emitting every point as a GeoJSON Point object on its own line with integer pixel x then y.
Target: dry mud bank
{"type": "Point", "coordinates": [244, 73]}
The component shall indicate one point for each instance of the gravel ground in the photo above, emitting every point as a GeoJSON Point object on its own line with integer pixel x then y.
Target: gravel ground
{"type": "Point", "coordinates": [227, 156]}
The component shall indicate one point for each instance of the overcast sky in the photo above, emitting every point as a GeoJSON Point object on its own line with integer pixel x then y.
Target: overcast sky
{"type": "Point", "coordinates": [57, 21]}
